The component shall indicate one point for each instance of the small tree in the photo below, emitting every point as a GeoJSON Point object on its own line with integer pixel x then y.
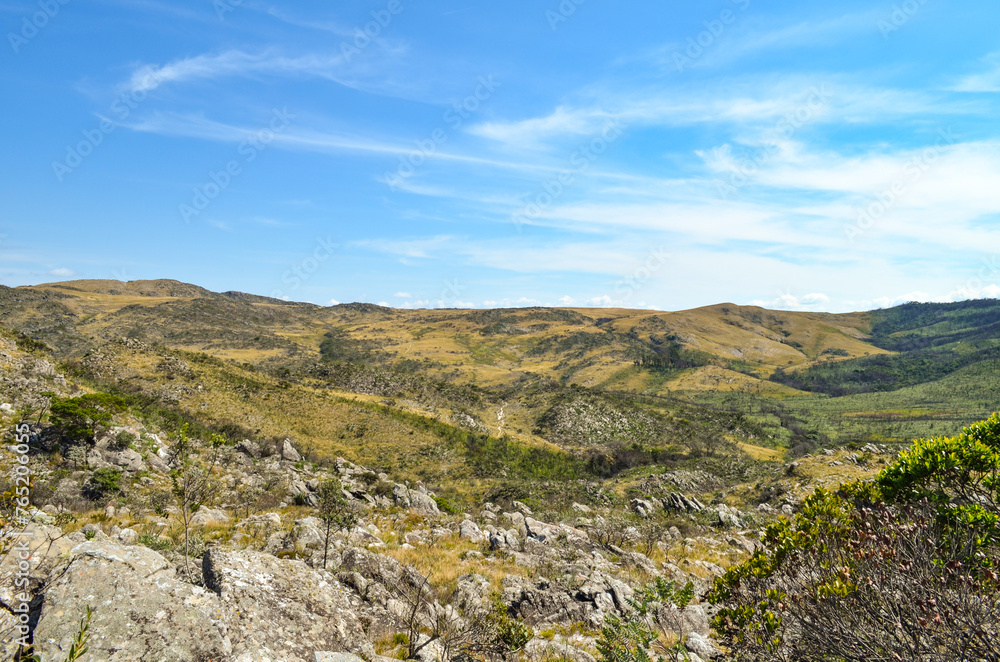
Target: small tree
{"type": "Point", "coordinates": [193, 481]}
{"type": "Point", "coordinates": [106, 481]}
{"type": "Point", "coordinates": [335, 511]}
{"type": "Point", "coordinates": [79, 419]}
{"type": "Point", "coordinates": [486, 629]}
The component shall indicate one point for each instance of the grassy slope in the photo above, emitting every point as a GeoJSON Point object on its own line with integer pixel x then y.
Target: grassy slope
{"type": "Point", "coordinates": [519, 359]}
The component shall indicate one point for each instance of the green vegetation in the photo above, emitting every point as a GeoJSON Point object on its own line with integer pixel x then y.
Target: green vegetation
{"type": "Point", "coordinates": [79, 419]}
{"type": "Point", "coordinates": [649, 625]}
{"type": "Point", "coordinates": [104, 482]}
{"type": "Point", "coordinates": [904, 567]}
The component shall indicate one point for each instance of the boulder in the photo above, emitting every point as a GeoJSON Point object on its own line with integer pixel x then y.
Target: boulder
{"type": "Point", "coordinates": [469, 530]}
{"type": "Point", "coordinates": [43, 546]}
{"type": "Point", "coordinates": [540, 531]}
{"type": "Point", "coordinates": [140, 610]}
{"type": "Point", "coordinates": [417, 501]}
{"type": "Point", "coordinates": [642, 507]}
{"type": "Point", "coordinates": [281, 609]}
{"type": "Point", "coordinates": [289, 453]}
{"type": "Point", "coordinates": [206, 516]}
{"type": "Point", "coordinates": [128, 459]}
{"type": "Point", "coordinates": [540, 650]}
{"type": "Point", "coordinates": [127, 536]}
{"type": "Point", "coordinates": [702, 646]}
{"type": "Point", "coordinates": [249, 448]}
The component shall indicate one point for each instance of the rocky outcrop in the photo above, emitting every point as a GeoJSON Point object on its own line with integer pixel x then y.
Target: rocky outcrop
{"type": "Point", "coordinates": [416, 500]}
{"type": "Point", "coordinates": [141, 611]}
{"type": "Point", "coordinates": [304, 610]}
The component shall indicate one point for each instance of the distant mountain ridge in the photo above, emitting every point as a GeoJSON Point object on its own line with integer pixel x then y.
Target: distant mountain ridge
{"type": "Point", "coordinates": [793, 377]}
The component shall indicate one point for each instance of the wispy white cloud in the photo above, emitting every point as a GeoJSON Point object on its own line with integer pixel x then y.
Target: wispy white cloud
{"type": "Point", "coordinates": [147, 78]}
{"type": "Point", "coordinates": [758, 102]}
{"type": "Point", "coordinates": [987, 80]}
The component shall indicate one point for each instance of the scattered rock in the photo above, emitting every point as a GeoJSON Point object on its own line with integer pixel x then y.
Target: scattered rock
{"type": "Point", "coordinates": [522, 508]}
{"type": "Point", "coordinates": [207, 516]}
{"type": "Point", "coordinates": [289, 453]}
{"type": "Point", "coordinates": [702, 646]}
{"type": "Point", "coordinates": [470, 531]}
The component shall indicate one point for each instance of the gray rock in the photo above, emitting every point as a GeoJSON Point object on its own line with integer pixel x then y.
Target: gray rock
{"type": "Point", "coordinates": [522, 508]}
{"type": "Point", "coordinates": [157, 464]}
{"type": "Point", "coordinates": [642, 507]}
{"type": "Point", "coordinates": [470, 531]}
{"type": "Point", "coordinates": [702, 646]}
{"type": "Point", "coordinates": [140, 610]}
{"type": "Point", "coordinates": [401, 495]}
{"type": "Point", "coordinates": [323, 656]}
{"type": "Point", "coordinates": [249, 448]}
{"type": "Point", "coordinates": [416, 500]}
{"type": "Point", "coordinates": [127, 536]}
{"type": "Point", "coordinates": [282, 609]}
{"type": "Point", "coordinates": [206, 516]}
{"type": "Point", "coordinates": [128, 459]}
{"type": "Point", "coordinates": [540, 531]}
{"type": "Point", "coordinates": [307, 535]}
{"type": "Point", "coordinates": [289, 453]}
{"type": "Point", "coordinates": [44, 546]}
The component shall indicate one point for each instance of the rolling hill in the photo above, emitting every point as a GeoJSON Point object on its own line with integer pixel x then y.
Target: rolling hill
{"type": "Point", "coordinates": [609, 387]}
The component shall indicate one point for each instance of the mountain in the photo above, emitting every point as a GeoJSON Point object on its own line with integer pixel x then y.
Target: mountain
{"type": "Point", "coordinates": [553, 379]}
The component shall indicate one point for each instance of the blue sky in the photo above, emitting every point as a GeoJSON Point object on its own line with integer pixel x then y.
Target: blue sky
{"type": "Point", "coordinates": [815, 155]}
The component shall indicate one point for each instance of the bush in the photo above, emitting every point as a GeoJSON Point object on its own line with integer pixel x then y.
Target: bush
{"type": "Point", "coordinates": [79, 419]}
{"type": "Point", "coordinates": [445, 506]}
{"type": "Point", "coordinates": [647, 624]}
{"type": "Point", "coordinates": [104, 482]}
{"type": "Point", "coordinates": [904, 567]}
{"type": "Point", "coordinates": [123, 440]}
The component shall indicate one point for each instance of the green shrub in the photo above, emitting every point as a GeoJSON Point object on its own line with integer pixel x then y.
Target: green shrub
{"type": "Point", "coordinates": [445, 506]}
{"type": "Point", "coordinates": [921, 543]}
{"type": "Point", "coordinates": [79, 419]}
{"type": "Point", "coordinates": [105, 481]}
{"type": "Point", "coordinates": [123, 440]}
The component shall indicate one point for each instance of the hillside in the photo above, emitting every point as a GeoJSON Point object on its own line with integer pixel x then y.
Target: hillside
{"type": "Point", "coordinates": [764, 374]}
{"type": "Point", "coordinates": [550, 461]}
